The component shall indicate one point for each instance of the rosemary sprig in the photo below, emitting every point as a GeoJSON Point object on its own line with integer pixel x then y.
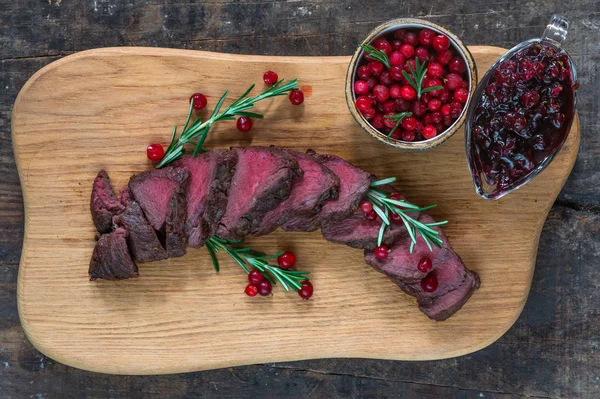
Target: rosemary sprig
{"type": "Point", "coordinates": [247, 258]}
{"type": "Point", "coordinates": [415, 79]}
{"type": "Point", "coordinates": [199, 130]}
{"type": "Point", "coordinates": [383, 206]}
{"type": "Point", "coordinates": [398, 118]}
{"type": "Point", "coordinates": [377, 55]}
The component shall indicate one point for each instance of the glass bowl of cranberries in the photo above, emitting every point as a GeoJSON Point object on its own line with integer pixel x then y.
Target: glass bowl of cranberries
{"type": "Point", "coordinates": [409, 84]}
{"type": "Point", "coordinates": [521, 113]}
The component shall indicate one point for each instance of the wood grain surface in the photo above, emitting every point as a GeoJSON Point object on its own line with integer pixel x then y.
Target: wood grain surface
{"type": "Point", "coordinates": [100, 108]}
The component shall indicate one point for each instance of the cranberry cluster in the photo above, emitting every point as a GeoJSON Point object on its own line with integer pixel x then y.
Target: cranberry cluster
{"type": "Point", "coordinates": [524, 114]}
{"type": "Point", "coordinates": [382, 91]}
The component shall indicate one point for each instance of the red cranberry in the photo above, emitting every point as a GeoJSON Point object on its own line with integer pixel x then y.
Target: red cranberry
{"type": "Point", "coordinates": [446, 109]}
{"type": "Point", "coordinates": [425, 265]}
{"type": "Point", "coordinates": [426, 37]}
{"type": "Point", "coordinates": [396, 58]}
{"type": "Point", "coordinates": [410, 64]}
{"type": "Point", "coordinates": [444, 57]}
{"type": "Point", "coordinates": [422, 54]}
{"type": "Point", "coordinates": [395, 91]}
{"type": "Point", "coordinates": [372, 82]}
{"type": "Point", "coordinates": [428, 119]}
{"type": "Point", "coordinates": [396, 72]}
{"type": "Point", "coordinates": [435, 70]}
{"type": "Point", "coordinates": [381, 252]}
{"type": "Point", "coordinates": [381, 92]}
{"type": "Point", "coordinates": [419, 108]}
{"type": "Point", "coordinates": [361, 87]}
{"type": "Point", "coordinates": [395, 196]}
{"type": "Point", "coordinates": [371, 215]}
{"type": "Point", "coordinates": [396, 44]}
{"type": "Point", "coordinates": [436, 117]}
{"type": "Point", "coordinates": [396, 218]}
{"type": "Point", "coordinates": [429, 132]}
{"type": "Point", "coordinates": [199, 100]}
{"type": "Point", "coordinates": [429, 283]}
{"type": "Point", "coordinates": [362, 103]}
{"type": "Point", "coordinates": [306, 290]}
{"type": "Point", "coordinates": [408, 135]}
{"type": "Point", "coordinates": [270, 78]}
{"type": "Point", "coordinates": [264, 288]}
{"type": "Point", "coordinates": [244, 124]}
{"type": "Point", "coordinates": [385, 78]}
{"type": "Point", "coordinates": [444, 95]}
{"type": "Point", "coordinates": [461, 95]}
{"type": "Point", "coordinates": [378, 121]}
{"type": "Point", "coordinates": [286, 260]}
{"type": "Point", "coordinates": [409, 123]}
{"type": "Point", "coordinates": [457, 65]}
{"type": "Point", "coordinates": [434, 104]}
{"type": "Point", "coordinates": [530, 98]}
{"type": "Point", "coordinates": [366, 206]}
{"type": "Point", "coordinates": [364, 72]}
{"type": "Point", "coordinates": [407, 51]}
{"type": "Point", "coordinates": [251, 290]}
{"type": "Point", "coordinates": [433, 83]}
{"type": "Point", "coordinates": [368, 113]}
{"type": "Point", "coordinates": [155, 152]}
{"type": "Point", "coordinates": [411, 38]}
{"type": "Point", "coordinates": [383, 45]}
{"type": "Point", "coordinates": [296, 97]}
{"type": "Point", "coordinates": [440, 43]}
{"type": "Point", "coordinates": [399, 34]}
{"type": "Point", "coordinates": [407, 92]}
{"type": "Point", "coordinates": [389, 122]}
{"type": "Point", "coordinates": [455, 109]}
{"type": "Point", "coordinates": [389, 107]}
{"type": "Point", "coordinates": [453, 81]}
{"type": "Point", "coordinates": [255, 277]}
{"type": "Point", "coordinates": [376, 67]}
{"type": "Point", "coordinates": [555, 90]}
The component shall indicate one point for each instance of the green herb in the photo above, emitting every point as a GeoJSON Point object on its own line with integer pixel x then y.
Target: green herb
{"type": "Point", "coordinates": [377, 55]}
{"type": "Point", "coordinates": [398, 118]}
{"type": "Point", "coordinates": [383, 206]}
{"type": "Point", "coordinates": [199, 130]}
{"type": "Point", "coordinates": [248, 259]}
{"type": "Point", "coordinates": [415, 79]}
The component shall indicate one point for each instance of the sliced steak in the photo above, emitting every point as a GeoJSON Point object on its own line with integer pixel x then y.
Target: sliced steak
{"type": "Point", "coordinates": [161, 195]}
{"type": "Point", "coordinates": [309, 193]}
{"type": "Point", "coordinates": [262, 180]}
{"type": "Point", "coordinates": [456, 283]}
{"type": "Point", "coordinates": [357, 231]}
{"type": "Point", "coordinates": [208, 188]}
{"type": "Point", "coordinates": [141, 237]}
{"type": "Point", "coordinates": [125, 196]}
{"type": "Point", "coordinates": [354, 184]}
{"type": "Point", "coordinates": [104, 203]}
{"type": "Point", "coordinates": [111, 259]}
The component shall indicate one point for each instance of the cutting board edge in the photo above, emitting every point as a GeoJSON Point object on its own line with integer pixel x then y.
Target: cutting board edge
{"type": "Point", "coordinates": [39, 343]}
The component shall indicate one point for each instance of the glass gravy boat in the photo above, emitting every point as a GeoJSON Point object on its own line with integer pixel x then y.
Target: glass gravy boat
{"type": "Point", "coordinates": [496, 171]}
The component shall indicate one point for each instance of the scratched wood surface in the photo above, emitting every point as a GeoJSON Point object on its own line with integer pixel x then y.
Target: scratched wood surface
{"type": "Point", "coordinates": [551, 351]}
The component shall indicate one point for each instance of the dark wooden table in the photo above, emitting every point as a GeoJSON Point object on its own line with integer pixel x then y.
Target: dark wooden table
{"type": "Point", "coordinates": [552, 350]}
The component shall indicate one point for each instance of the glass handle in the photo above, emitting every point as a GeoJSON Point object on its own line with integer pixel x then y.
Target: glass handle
{"type": "Point", "coordinates": [556, 30]}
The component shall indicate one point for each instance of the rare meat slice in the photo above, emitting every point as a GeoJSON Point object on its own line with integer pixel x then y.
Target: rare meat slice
{"type": "Point", "coordinates": [141, 237]}
{"type": "Point", "coordinates": [161, 195]}
{"type": "Point", "coordinates": [111, 259]}
{"type": "Point", "coordinates": [125, 196]}
{"type": "Point", "coordinates": [309, 193]}
{"type": "Point", "coordinates": [401, 266]}
{"type": "Point", "coordinates": [104, 203]}
{"type": "Point", "coordinates": [456, 283]}
{"type": "Point", "coordinates": [354, 184]}
{"type": "Point", "coordinates": [263, 179]}
{"type": "Point", "coordinates": [208, 188]}
{"type": "Point", "coordinates": [357, 231]}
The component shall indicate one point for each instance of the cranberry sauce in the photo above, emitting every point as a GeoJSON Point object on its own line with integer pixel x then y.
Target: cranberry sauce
{"type": "Point", "coordinates": [382, 93]}
{"type": "Point", "coordinates": [523, 116]}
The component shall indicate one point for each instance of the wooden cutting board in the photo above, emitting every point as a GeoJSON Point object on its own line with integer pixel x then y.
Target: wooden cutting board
{"type": "Point", "coordinates": [100, 108]}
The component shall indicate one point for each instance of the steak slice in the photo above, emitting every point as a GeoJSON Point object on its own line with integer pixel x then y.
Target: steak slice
{"type": "Point", "coordinates": [354, 184]}
{"type": "Point", "coordinates": [161, 195]}
{"type": "Point", "coordinates": [401, 266]}
{"type": "Point", "coordinates": [141, 237]}
{"type": "Point", "coordinates": [111, 259]}
{"type": "Point", "coordinates": [125, 196]}
{"type": "Point", "coordinates": [357, 231]}
{"type": "Point", "coordinates": [456, 283]}
{"type": "Point", "coordinates": [104, 203]}
{"type": "Point", "coordinates": [309, 193]}
{"type": "Point", "coordinates": [210, 178]}
{"type": "Point", "coordinates": [263, 178]}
